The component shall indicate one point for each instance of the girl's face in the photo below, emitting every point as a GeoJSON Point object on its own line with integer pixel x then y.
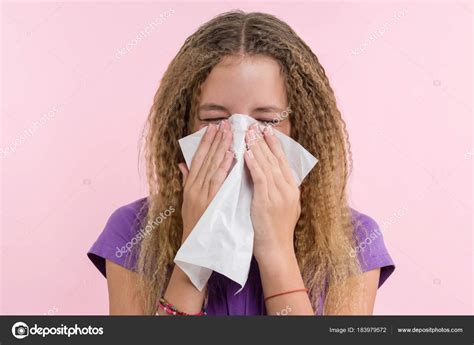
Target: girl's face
{"type": "Point", "coordinates": [251, 85]}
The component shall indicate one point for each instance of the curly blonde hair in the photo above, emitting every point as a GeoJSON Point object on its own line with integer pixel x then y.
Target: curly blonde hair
{"type": "Point", "coordinates": [324, 232]}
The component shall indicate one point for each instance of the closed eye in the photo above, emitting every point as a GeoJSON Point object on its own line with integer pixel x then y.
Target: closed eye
{"type": "Point", "coordinates": [270, 122]}
{"type": "Point", "coordinates": [214, 119]}
{"type": "Point", "coordinates": [266, 122]}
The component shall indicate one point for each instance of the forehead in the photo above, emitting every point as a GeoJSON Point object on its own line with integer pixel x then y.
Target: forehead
{"type": "Point", "coordinates": [244, 80]}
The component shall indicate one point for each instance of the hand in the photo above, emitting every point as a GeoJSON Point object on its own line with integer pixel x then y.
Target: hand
{"type": "Point", "coordinates": [275, 205]}
{"type": "Point", "coordinates": [209, 168]}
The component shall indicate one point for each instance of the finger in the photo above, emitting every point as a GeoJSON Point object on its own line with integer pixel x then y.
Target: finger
{"type": "Point", "coordinates": [208, 161]}
{"type": "Point", "coordinates": [273, 163]}
{"type": "Point", "coordinates": [275, 146]}
{"type": "Point", "coordinates": [184, 170]}
{"type": "Point", "coordinates": [262, 162]}
{"type": "Point", "coordinates": [221, 174]}
{"type": "Point", "coordinates": [216, 160]}
{"type": "Point", "coordinates": [260, 159]}
{"type": "Point", "coordinates": [201, 152]}
{"type": "Point", "coordinates": [257, 174]}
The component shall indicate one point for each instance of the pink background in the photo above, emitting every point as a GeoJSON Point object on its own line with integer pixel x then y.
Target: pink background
{"type": "Point", "coordinates": [402, 74]}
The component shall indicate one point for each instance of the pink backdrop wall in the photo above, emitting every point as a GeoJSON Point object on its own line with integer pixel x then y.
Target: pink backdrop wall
{"type": "Point", "coordinates": [73, 110]}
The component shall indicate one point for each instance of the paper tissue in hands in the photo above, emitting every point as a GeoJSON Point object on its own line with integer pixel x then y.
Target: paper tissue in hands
{"type": "Point", "coordinates": [222, 239]}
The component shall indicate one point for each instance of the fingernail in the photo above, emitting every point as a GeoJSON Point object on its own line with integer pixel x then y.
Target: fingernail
{"type": "Point", "coordinates": [222, 124]}
{"type": "Point", "coordinates": [210, 127]}
{"type": "Point", "coordinates": [251, 134]}
{"type": "Point", "coordinates": [268, 130]}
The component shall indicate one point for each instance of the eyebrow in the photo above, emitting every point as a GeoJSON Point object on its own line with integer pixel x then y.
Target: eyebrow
{"type": "Point", "coordinates": [268, 109]}
{"type": "Point", "coordinates": [212, 106]}
{"type": "Point", "coordinates": [261, 109]}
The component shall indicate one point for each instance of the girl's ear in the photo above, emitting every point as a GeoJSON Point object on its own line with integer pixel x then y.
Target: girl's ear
{"type": "Point", "coordinates": [184, 170]}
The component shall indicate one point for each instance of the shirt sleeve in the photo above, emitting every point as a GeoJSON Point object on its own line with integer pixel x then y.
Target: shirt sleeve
{"type": "Point", "coordinates": [370, 247]}
{"type": "Point", "coordinates": [119, 240]}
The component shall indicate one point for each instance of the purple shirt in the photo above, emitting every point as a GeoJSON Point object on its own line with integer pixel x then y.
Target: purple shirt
{"type": "Point", "coordinates": [123, 229]}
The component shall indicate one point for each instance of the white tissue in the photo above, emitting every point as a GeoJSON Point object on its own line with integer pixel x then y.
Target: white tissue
{"type": "Point", "coordinates": [222, 239]}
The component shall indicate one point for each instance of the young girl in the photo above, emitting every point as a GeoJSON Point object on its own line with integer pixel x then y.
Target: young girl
{"type": "Point", "coordinates": [312, 253]}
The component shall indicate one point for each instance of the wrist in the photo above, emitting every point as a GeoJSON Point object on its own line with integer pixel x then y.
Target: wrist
{"type": "Point", "coordinates": [181, 278]}
{"type": "Point", "coordinates": [281, 274]}
{"type": "Point", "coordinates": [274, 254]}
{"type": "Point", "coordinates": [186, 232]}
{"type": "Point", "coordinates": [182, 293]}
{"type": "Point", "coordinates": [274, 260]}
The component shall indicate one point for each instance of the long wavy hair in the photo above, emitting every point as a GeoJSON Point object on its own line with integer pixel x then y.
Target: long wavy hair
{"type": "Point", "coordinates": [324, 232]}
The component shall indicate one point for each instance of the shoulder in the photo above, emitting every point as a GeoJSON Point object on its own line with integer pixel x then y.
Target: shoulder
{"type": "Point", "coordinates": [370, 246]}
{"type": "Point", "coordinates": [125, 220]}
{"type": "Point", "coordinates": [119, 236]}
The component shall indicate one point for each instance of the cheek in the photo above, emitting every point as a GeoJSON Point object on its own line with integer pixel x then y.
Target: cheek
{"type": "Point", "coordinates": [284, 128]}
{"type": "Point", "coordinates": [199, 126]}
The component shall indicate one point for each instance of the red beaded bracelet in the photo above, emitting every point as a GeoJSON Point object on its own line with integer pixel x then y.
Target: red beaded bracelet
{"type": "Point", "coordinates": [172, 310]}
